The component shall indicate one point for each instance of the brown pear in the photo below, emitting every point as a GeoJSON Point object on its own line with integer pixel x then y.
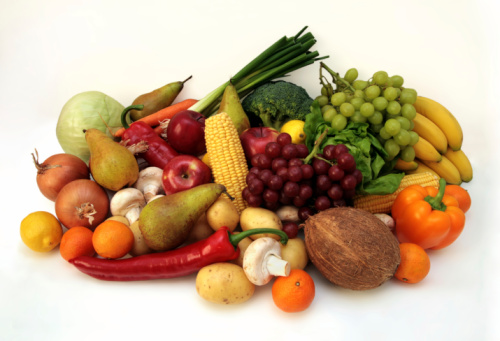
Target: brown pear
{"type": "Point", "coordinates": [166, 222]}
{"type": "Point", "coordinates": [231, 105]}
{"type": "Point", "coordinates": [113, 166]}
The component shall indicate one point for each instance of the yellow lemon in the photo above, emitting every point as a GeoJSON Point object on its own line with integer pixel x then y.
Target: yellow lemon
{"type": "Point", "coordinates": [295, 128]}
{"type": "Point", "coordinates": [41, 231]}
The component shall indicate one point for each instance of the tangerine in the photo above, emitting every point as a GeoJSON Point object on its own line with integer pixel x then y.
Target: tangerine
{"type": "Point", "coordinates": [415, 263]}
{"type": "Point", "coordinates": [461, 194]}
{"type": "Point", "coordinates": [77, 241]}
{"type": "Point", "coordinates": [295, 292]}
{"type": "Point", "coordinates": [112, 239]}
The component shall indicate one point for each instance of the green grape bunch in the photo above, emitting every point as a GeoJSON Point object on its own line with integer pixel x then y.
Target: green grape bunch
{"type": "Point", "coordinates": [380, 101]}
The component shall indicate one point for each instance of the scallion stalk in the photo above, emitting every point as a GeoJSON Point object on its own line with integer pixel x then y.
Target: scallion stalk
{"type": "Point", "coordinates": [287, 54]}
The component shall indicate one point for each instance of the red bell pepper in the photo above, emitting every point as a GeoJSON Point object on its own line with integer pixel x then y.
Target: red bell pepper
{"type": "Point", "coordinates": [221, 246]}
{"type": "Point", "coordinates": [158, 152]}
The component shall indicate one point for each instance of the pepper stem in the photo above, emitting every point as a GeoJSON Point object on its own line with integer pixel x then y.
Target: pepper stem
{"type": "Point", "coordinates": [436, 202]}
{"type": "Point", "coordinates": [236, 238]}
{"type": "Point", "coordinates": [125, 112]}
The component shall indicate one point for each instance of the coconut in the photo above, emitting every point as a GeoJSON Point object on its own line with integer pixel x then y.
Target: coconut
{"type": "Point", "coordinates": [351, 247]}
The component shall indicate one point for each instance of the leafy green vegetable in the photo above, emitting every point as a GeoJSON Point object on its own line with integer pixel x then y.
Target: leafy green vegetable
{"type": "Point", "coordinates": [370, 155]}
{"type": "Point", "coordinates": [275, 103]}
{"type": "Point", "coordinates": [90, 109]}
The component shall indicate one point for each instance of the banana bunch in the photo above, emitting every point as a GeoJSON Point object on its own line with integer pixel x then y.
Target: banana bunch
{"type": "Point", "coordinates": [438, 149]}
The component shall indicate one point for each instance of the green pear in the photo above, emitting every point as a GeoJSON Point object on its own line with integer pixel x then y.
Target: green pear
{"type": "Point", "coordinates": [166, 222]}
{"type": "Point", "coordinates": [231, 105]}
{"type": "Point", "coordinates": [112, 165]}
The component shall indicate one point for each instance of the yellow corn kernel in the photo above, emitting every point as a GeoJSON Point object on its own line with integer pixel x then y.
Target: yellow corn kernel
{"type": "Point", "coordinates": [383, 203]}
{"type": "Point", "coordinates": [227, 158]}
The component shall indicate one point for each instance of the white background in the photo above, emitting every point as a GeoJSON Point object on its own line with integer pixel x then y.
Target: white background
{"type": "Point", "coordinates": [52, 50]}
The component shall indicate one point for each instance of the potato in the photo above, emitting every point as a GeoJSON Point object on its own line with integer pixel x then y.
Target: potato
{"type": "Point", "coordinates": [224, 283]}
{"type": "Point", "coordinates": [119, 218]}
{"type": "Point", "coordinates": [223, 213]}
{"type": "Point", "coordinates": [139, 247]}
{"type": "Point", "coordinates": [201, 230]}
{"type": "Point", "coordinates": [294, 252]}
{"type": "Point", "coordinates": [257, 217]}
{"type": "Point", "coordinates": [243, 245]}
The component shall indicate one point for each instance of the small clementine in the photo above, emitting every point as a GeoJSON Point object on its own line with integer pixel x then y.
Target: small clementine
{"type": "Point", "coordinates": [415, 263]}
{"type": "Point", "coordinates": [295, 292]}
{"type": "Point", "coordinates": [112, 239]}
{"type": "Point", "coordinates": [77, 241]}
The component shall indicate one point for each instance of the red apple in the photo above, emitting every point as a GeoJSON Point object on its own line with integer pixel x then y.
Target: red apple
{"type": "Point", "coordinates": [186, 132]}
{"type": "Point", "coordinates": [184, 172]}
{"type": "Point", "coordinates": [254, 140]}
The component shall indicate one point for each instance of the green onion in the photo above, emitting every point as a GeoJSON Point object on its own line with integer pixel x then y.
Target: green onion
{"type": "Point", "coordinates": [281, 58]}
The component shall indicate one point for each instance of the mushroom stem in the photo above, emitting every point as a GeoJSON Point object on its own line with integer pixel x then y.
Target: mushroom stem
{"type": "Point", "coordinates": [277, 266]}
{"type": "Point", "coordinates": [133, 214]}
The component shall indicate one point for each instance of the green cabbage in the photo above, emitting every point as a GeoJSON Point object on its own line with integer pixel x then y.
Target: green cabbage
{"type": "Point", "coordinates": [91, 109]}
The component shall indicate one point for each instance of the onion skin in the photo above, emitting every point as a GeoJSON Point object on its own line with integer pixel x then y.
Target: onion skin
{"type": "Point", "coordinates": [57, 171]}
{"type": "Point", "coordinates": [82, 203]}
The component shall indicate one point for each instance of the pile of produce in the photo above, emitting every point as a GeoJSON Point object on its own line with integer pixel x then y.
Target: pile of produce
{"type": "Point", "coordinates": [256, 181]}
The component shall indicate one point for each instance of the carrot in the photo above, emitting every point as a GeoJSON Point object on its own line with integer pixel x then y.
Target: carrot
{"type": "Point", "coordinates": [163, 114]}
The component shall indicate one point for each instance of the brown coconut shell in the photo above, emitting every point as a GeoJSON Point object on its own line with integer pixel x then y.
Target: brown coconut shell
{"type": "Point", "coordinates": [351, 247]}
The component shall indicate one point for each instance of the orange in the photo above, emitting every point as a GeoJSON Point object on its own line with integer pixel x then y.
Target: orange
{"type": "Point", "coordinates": [112, 239]}
{"type": "Point", "coordinates": [415, 263]}
{"type": "Point", "coordinates": [295, 292]}
{"type": "Point", "coordinates": [461, 194]}
{"type": "Point", "coordinates": [77, 241]}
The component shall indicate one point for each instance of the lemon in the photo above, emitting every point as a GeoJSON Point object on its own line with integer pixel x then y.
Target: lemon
{"type": "Point", "coordinates": [295, 128]}
{"type": "Point", "coordinates": [41, 231]}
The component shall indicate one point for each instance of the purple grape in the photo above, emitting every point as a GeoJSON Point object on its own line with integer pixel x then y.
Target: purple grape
{"type": "Point", "coordinates": [264, 161]}
{"type": "Point", "coordinates": [323, 182]}
{"type": "Point", "coordinates": [265, 175]}
{"type": "Point", "coordinates": [305, 212]}
{"type": "Point", "coordinates": [270, 195]}
{"type": "Point", "coordinates": [283, 173]}
{"type": "Point", "coordinates": [278, 163]}
{"type": "Point", "coordinates": [294, 173]}
{"type": "Point", "coordinates": [254, 200]}
{"type": "Point", "coordinates": [335, 192]}
{"type": "Point", "coordinates": [348, 182]}
{"type": "Point", "coordinates": [358, 175]}
{"type": "Point", "coordinates": [299, 202]}
{"type": "Point", "coordinates": [284, 199]}
{"type": "Point", "coordinates": [302, 151]}
{"type": "Point", "coordinates": [284, 139]}
{"type": "Point", "coordinates": [335, 173]}
{"type": "Point", "coordinates": [307, 171]}
{"type": "Point", "coordinates": [291, 189]}
{"type": "Point", "coordinates": [320, 166]}
{"type": "Point", "coordinates": [251, 176]}
{"type": "Point", "coordinates": [305, 192]}
{"type": "Point", "coordinates": [322, 203]}
{"type": "Point", "coordinates": [291, 229]}
{"type": "Point", "coordinates": [340, 149]}
{"type": "Point", "coordinates": [295, 162]}
{"type": "Point", "coordinates": [289, 151]}
{"type": "Point", "coordinates": [328, 152]}
{"type": "Point", "coordinates": [256, 186]}
{"type": "Point", "coordinates": [275, 182]}
{"type": "Point", "coordinates": [346, 161]}
{"type": "Point", "coordinates": [273, 206]}
{"type": "Point", "coordinates": [273, 150]}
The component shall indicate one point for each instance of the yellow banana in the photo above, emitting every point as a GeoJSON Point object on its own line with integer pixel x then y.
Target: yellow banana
{"type": "Point", "coordinates": [444, 119]}
{"type": "Point", "coordinates": [430, 131]}
{"type": "Point", "coordinates": [405, 166]}
{"type": "Point", "coordinates": [422, 169]}
{"type": "Point", "coordinates": [461, 161]}
{"type": "Point", "coordinates": [446, 170]}
{"type": "Point", "coordinates": [424, 150]}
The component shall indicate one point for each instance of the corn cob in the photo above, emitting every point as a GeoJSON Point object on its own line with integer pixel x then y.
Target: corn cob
{"type": "Point", "coordinates": [227, 158]}
{"type": "Point", "coordinates": [383, 203]}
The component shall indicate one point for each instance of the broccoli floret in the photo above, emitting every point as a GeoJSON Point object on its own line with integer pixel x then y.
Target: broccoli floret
{"type": "Point", "coordinates": [275, 103]}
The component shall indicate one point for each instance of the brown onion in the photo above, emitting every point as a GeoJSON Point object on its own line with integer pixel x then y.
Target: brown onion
{"type": "Point", "coordinates": [82, 203]}
{"type": "Point", "coordinates": [57, 171]}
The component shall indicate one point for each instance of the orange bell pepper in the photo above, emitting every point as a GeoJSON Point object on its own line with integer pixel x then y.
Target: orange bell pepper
{"type": "Point", "coordinates": [427, 216]}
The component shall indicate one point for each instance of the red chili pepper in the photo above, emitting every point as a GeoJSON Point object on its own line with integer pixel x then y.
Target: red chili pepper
{"type": "Point", "coordinates": [221, 246]}
{"type": "Point", "coordinates": [158, 152]}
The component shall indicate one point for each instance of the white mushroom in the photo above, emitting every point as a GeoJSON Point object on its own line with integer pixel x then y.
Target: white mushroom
{"type": "Point", "coordinates": [262, 261]}
{"type": "Point", "coordinates": [288, 213]}
{"type": "Point", "coordinates": [386, 219]}
{"type": "Point", "coordinates": [156, 197]}
{"type": "Point", "coordinates": [128, 202]}
{"type": "Point", "coordinates": [149, 182]}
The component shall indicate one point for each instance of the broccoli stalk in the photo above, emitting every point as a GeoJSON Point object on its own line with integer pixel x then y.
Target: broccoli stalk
{"type": "Point", "coordinates": [277, 102]}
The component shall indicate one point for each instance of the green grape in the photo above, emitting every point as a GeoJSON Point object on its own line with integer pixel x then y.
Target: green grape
{"type": "Point", "coordinates": [358, 118]}
{"type": "Point", "coordinates": [380, 103]}
{"type": "Point", "coordinates": [376, 118]}
{"type": "Point", "coordinates": [407, 154]}
{"type": "Point", "coordinates": [393, 108]}
{"type": "Point", "coordinates": [380, 139]}
{"type": "Point", "coordinates": [359, 94]}
{"type": "Point", "coordinates": [326, 107]}
{"type": "Point", "coordinates": [397, 81]}
{"type": "Point", "coordinates": [376, 127]}
{"type": "Point", "coordinates": [413, 138]}
{"type": "Point", "coordinates": [392, 148]}
{"type": "Point", "coordinates": [367, 109]}
{"type": "Point", "coordinates": [351, 75]}
{"type": "Point", "coordinates": [384, 134]}
{"type": "Point", "coordinates": [408, 111]}
{"type": "Point", "coordinates": [398, 91]}
{"type": "Point", "coordinates": [405, 123]}
{"type": "Point", "coordinates": [402, 138]}
{"type": "Point", "coordinates": [322, 100]}
{"type": "Point", "coordinates": [359, 84]}
{"type": "Point", "coordinates": [347, 109]}
{"type": "Point", "coordinates": [357, 102]}
{"type": "Point", "coordinates": [338, 98]}
{"type": "Point", "coordinates": [380, 77]}
{"type": "Point", "coordinates": [329, 114]}
{"type": "Point", "coordinates": [390, 94]}
{"type": "Point", "coordinates": [324, 90]}
{"type": "Point", "coordinates": [372, 92]}
{"type": "Point", "coordinates": [412, 125]}
{"type": "Point", "coordinates": [348, 96]}
{"type": "Point", "coordinates": [408, 96]}
{"type": "Point", "coordinates": [392, 126]}
{"type": "Point", "coordinates": [339, 122]}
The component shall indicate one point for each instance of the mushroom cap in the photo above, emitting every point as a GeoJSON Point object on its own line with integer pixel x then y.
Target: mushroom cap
{"type": "Point", "coordinates": [256, 261]}
{"type": "Point", "coordinates": [125, 200]}
{"type": "Point", "coordinates": [148, 175]}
